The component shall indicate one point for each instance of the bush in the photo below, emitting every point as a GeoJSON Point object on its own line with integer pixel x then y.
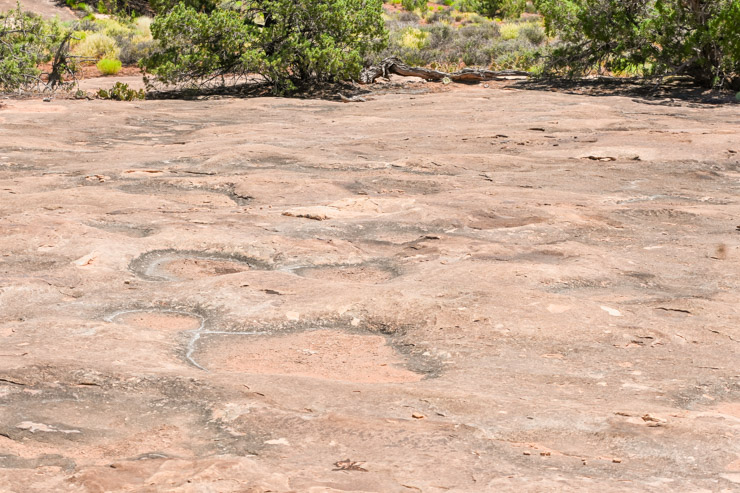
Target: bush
{"type": "Point", "coordinates": [97, 45]}
{"type": "Point", "coordinates": [25, 42]}
{"type": "Point", "coordinates": [533, 32]}
{"type": "Point", "coordinates": [133, 49]}
{"type": "Point", "coordinates": [290, 43]}
{"type": "Point", "coordinates": [413, 38]}
{"type": "Point", "coordinates": [109, 66]}
{"type": "Point", "coordinates": [440, 16]}
{"type": "Point", "coordinates": [410, 17]}
{"type": "Point", "coordinates": [135, 43]}
{"type": "Point", "coordinates": [412, 5]}
{"type": "Point", "coordinates": [496, 8]}
{"type": "Point", "coordinates": [113, 27]}
{"type": "Point", "coordinates": [661, 37]}
{"type": "Point", "coordinates": [509, 31]}
{"type": "Point", "coordinates": [166, 6]}
{"type": "Point", "coordinates": [121, 92]}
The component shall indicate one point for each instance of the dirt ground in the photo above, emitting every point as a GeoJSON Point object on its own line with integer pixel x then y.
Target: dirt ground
{"type": "Point", "coordinates": [469, 289]}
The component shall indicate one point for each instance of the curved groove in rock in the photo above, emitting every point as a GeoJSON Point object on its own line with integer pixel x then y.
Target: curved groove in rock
{"type": "Point", "coordinates": [181, 265]}
{"type": "Point", "coordinates": [195, 333]}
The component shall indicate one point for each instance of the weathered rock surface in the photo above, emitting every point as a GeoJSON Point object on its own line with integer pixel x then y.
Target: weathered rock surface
{"type": "Point", "coordinates": [508, 290]}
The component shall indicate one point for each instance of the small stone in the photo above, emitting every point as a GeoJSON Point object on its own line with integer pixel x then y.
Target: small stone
{"type": "Point", "coordinates": [527, 453]}
{"type": "Point", "coordinates": [617, 461]}
{"type": "Point", "coordinates": [418, 416]}
{"type": "Point", "coordinates": [611, 311]}
{"type": "Point", "coordinates": [87, 259]}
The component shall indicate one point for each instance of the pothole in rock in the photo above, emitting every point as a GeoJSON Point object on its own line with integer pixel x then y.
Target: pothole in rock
{"type": "Point", "coordinates": [160, 320]}
{"type": "Point", "coordinates": [359, 273]}
{"type": "Point", "coordinates": [178, 265]}
{"type": "Point", "coordinates": [328, 354]}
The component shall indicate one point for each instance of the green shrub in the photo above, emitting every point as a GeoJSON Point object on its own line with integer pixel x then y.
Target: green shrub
{"type": "Point", "coordinates": [109, 66]}
{"type": "Point", "coordinates": [134, 49]}
{"type": "Point", "coordinates": [135, 43]}
{"type": "Point", "coordinates": [533, 32]}
{"type": "Point", "coordinates": [166, 6]}
{"type": "Point", "coordinates": [442, 15]}
{"type": "Point", "coordinates": [97, 45]}
{"type": "Point", "coordinates": [413, 5]}
{"type": "Point", "coordinates": [121, 92]}
{"type": "Point", "coordinates": [409, 17]}
{"type": "Point", "coordinates": [413, 38]}
{"type": "Point", "coordinates": [663, 37]}
{"type": "Point", "coordinates": [480, 45]}
{"type": "Point", "coordinates": [26, 41]}
{"type": "Point", "coordinates": [495, 8]}
{"type": "Point", "coordinates": [509, 31]}
{"type": "Point", "coordinates": [114, 27]}
{"type": "Point", "coordinates": [289, 43]}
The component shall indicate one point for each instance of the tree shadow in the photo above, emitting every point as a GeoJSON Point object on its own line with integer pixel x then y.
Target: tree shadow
{"type": "Point", "coordinates": [341, 91]}
{"type": "Point", "coordinates": [673, 92]}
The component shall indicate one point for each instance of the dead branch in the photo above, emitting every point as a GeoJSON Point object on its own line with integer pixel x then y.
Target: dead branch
{"type": "Point", "coordinates": [394, 65]}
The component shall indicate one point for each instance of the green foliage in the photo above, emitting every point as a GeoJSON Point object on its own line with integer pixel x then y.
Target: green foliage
{"type": "Point", "coordinates": [660, 37]}
{"type": "Point", "coordinates": [533, 32]}
{"type": "Point", "coordinates": [289, 43]}
{"type": "Point", "coordinates": [134, 48]}
{"type": "Point", "coordinates": [197, 46]}
{"type": "Point", "coordinates": [97, 45]}
{"type": "Point", "coordinates": [413, 5]}
{"type": "Point", "coordinates": [509, 31]}
{"type": "Point", "coordinates": [166, 6]}
{"type": "Point", "coordinates": [109, 66]}
{"type": "Point", "coordinates": [79, 6]}
{"type": "Point", "coordinates": [483, 45]}
{"type": "Point", "coordinates": [121, 92]}
{"type": "Point", "coordinates": [127, 38]}
{"type": "Point", "coordinates": [496, 8]}
{"type": "Point", "coordinates": [414, 38]}
{"type": "Point", "coordinates": [26, 41]}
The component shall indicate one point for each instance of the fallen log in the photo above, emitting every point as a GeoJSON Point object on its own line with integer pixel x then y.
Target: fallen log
{"type": "Point", "coordinates": [394, 65]}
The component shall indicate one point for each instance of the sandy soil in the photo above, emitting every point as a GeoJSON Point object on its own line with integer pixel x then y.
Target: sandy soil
{"type": "Point", "coordinates": [477, 289]}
